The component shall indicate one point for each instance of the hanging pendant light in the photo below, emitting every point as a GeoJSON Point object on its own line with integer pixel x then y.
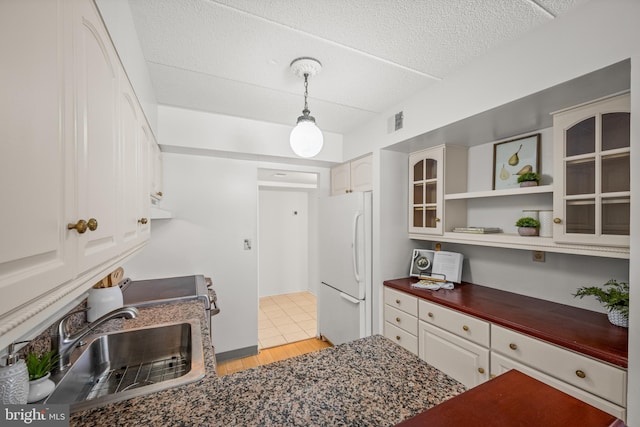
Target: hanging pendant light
{"type": "Point", "coordinates": [306, 138]}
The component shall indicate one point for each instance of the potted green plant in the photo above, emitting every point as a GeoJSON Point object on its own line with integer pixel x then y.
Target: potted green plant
{"type": "Point", "coordinates": [528, 179]}
{"type": "Point", "coordinates": [614, 296]}
{"type": "Point", "coordinates": [528, 226]}
{"type": "Point", "coordinates": [39, 367]}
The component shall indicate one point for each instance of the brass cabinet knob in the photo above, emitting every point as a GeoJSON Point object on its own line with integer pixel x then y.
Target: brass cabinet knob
{"type": "Point", "coordinates": [80, 226]}
{"type": "Point", "coordinates": [92, 224]}
{"type": "Point", "coordinates": [430, 314]}
{"type": "Point", "coordinates": [397, 301]}
{"type": "Point", "coordinates": [481, 370]}
{"type": "Point", "coordinates": [512, 346]}
{"type": "Point", "coordinates": [492, 376]}
{"type": "Point", "coordinates": [465, 328]}
{"type": "Point", "coordinates": [437, 219]}
{"type": "Point", "coordinates": [398, 337]}
{"type": "Point", "coordinates": [581, 374]}
{"type": "Point", "coordinates": [557, 220]}
{"type": "Point", "coordinates": [143, 221]}
{"type": "Point", "coordinates": [159, 193]}
{"type": "Point", "coordinates": [398, 319]}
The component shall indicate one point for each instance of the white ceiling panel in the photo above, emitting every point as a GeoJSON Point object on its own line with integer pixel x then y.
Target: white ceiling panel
{"type": "Point", "coordinates": [232, 56]}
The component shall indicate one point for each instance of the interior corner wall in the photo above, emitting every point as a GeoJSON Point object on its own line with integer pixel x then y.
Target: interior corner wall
{"type": "Point", "coordinates": [283, 241]}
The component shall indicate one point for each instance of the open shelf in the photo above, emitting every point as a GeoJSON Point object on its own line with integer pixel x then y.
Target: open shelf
{"type": "Point", "coordinates": [500, 193]}
{"type": "Point", "coordinates": [515, 241]}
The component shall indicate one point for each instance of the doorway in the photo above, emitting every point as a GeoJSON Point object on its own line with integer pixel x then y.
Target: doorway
{"type": "Point", "coordinates": [287, 306]}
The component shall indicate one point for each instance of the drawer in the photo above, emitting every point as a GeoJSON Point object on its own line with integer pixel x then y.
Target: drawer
{"type": "Point", "coordinates": [465, 326]}
{"type": "Point", "coordinates": [400, 300]}
{"type": "Point", "coordinates": [599, 378]}
{"type": "Point", "coordinates": [402, 320]}
{"type": "Point", "coordinates": [501, 364]}
{"type": "Point", "coordinates": [401, 337]}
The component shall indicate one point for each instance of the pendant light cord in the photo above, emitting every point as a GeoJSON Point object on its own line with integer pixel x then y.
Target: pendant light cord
{"type": "Point", "coordinates": [306, 93]}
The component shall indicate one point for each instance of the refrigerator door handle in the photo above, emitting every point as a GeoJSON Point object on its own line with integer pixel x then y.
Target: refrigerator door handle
{"type": "Point", "coordinates": [354, 246]}
{"type": "Point", "coordinates": [349, 298]}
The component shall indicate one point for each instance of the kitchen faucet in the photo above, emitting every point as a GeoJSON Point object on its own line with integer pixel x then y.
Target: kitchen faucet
{"type": "Point", "coordinates": [64, 342]}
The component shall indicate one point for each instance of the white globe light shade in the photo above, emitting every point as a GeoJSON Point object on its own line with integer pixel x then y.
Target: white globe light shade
{"type": "Point", "coordinates": [306, 139]}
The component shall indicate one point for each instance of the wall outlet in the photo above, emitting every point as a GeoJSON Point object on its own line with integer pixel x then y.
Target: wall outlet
{"type": "Point", "coordinates": [537, 256]}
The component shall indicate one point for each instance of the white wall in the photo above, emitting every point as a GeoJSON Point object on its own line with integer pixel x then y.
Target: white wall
{"type": "Point", "coordinates": [283, 223]}
{"type": "Point", "coordinates": [214, 204]}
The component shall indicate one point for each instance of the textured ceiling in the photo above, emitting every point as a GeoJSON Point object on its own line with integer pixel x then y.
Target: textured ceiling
{"type": "Point", "coordinates": [232, 56]}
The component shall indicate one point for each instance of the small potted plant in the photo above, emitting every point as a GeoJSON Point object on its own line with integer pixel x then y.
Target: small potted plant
{"type": "Point", "coordinates": [528, 226]}
{"type": "Point", "coordinates": [528, 179]}
{"type": "Point", "coordinates": [614, 296]}
{"type": "Point", "coordinates": [39, 367]}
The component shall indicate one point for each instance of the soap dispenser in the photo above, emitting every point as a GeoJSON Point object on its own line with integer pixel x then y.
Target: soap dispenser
{"type": "Point", "coordinates": [14, 380]}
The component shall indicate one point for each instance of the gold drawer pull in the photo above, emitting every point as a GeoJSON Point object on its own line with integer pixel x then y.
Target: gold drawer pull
{"type": "Point", "coordinates": [398, 337]}
{"type": "Point", "coordinates": [430, 314]}
{"type": "Point", "coordinates": [512, 346]}
{"type": "Point", "coordinates": [92, 224]}
{"type": "Point", "coordinates": [557, 220]}
{"type": "Point", "coordinates": [465, 328]}
{"type": "Point", "coordinates": [581, 374]}
{"type": "Point", "coordinates": [492, 376]}
{"type": "Point", "coordinates": [397, 301]}
{"type": "Point", "coordinates": [143, 221]}
{"type": "Point", "coordinates": [481, 370]}
{"type": "Point", "coordinates": [398, 319]}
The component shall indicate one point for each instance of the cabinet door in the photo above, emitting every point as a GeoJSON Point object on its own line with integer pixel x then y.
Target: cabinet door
{"type": "Point", "coordinates": [592, 172]}
{"type": "Point", "coordinates": [96, 67]}
{"type": "Point", "coordinates": [129, 168]}
{"type": "Point", "coordinates": [362, 174]}
{"type": "Point", "coordinates": [460, 359]}
{"type": "Point", "coordinates": [340, 179]}
{"type": "Point", "coordinates": [36, 171]}
{"type": "Point", "coordinates": [426, 191]}
{"type": "Point", "coordinates": [145, 160]}
{"type": "Point", "coordinates": [156, 169]}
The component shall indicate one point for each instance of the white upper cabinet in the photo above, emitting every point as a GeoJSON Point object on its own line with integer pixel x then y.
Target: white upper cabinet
{"type": "Point", "coordinates": [96, 68]}
{"type": "Point", "coordinates": [592, 173]}
{"type": "Point", "coordinates": [36, 152]}
{"type": "Point", "coordinates": [74, 159]}
{"type": "Point", "coordinates": [433, 173]}
{"type": "Point", "coordinates": [356, 175]}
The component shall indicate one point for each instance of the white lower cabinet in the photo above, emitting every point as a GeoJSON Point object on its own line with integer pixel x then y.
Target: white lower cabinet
{"type": "Point", "coordinates": [472, 351]}
{"type": "Point", "coordinates": [457, 357]}
{"type": "Point", "coordinates": [596, 378]}
{"type": "Point", "coordinates": [501, 364]}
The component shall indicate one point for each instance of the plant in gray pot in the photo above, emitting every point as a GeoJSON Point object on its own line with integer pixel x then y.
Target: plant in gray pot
{"type": "Point", "coordinates": [528, 179]}
{"type": "Point", "coordinates": [528, 226]}
{"type": "Point", "coordinates": [614, 296]}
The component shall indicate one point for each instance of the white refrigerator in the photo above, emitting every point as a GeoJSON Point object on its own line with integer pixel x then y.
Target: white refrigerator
{"type": "Point", "coordinates": [345, 306]}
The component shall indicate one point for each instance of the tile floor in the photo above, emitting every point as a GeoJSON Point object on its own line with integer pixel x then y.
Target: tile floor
{"type": "Point", "coordinates": [286, 318]}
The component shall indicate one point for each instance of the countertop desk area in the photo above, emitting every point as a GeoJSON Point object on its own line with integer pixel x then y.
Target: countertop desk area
{"type": "Point", "coordinates": [513, 399]}
{"type": "Point", "coordinates": [580, 330]}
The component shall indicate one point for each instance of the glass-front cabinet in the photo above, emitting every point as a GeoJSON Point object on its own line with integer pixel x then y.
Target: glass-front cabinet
{"type": "Point", "coordinates": [426, 191]}
{"type": "Point", "coordinates": [592, 173]}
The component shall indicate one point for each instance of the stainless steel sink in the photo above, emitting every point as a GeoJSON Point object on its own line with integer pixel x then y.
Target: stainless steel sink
{"type": "Point", "coordinates": [121, 365]}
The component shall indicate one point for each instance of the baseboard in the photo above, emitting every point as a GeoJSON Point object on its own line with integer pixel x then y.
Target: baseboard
{"type": "Point", "coordinates": [237, 354]}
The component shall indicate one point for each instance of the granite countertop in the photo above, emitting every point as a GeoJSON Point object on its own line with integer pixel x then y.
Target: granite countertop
{"type": "Point", "coordinates": [580, 330]}
{"type": "Point", "coordinates": [368, 382]}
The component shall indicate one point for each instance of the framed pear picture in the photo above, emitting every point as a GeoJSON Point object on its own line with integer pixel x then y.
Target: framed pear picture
{"type": "Point", "coordinates": [513, 158]}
